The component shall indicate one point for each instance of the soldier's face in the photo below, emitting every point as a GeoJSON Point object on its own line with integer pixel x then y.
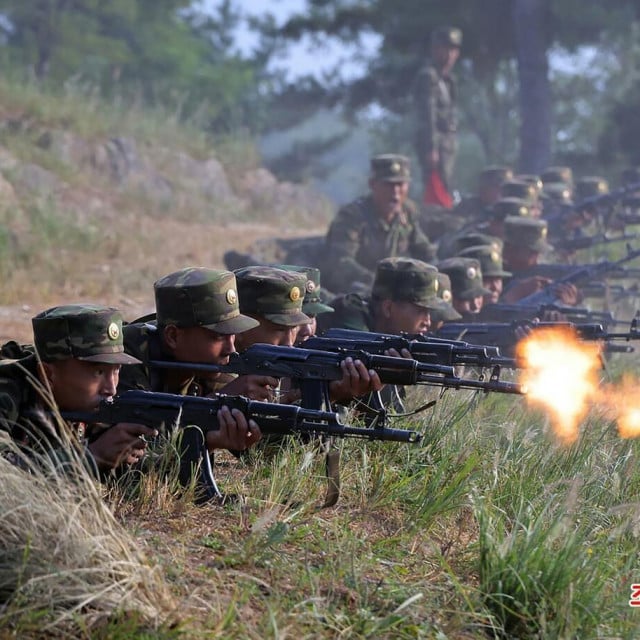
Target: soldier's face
{"type": "Point", "coordinates": [445, 57]}
{"type": "Point", "coordinates": [306, 331]}
{"type": "Point", "coordinates": [197, 344]}
{"type": "Point", "coordinates": [489, 194]}
{"type": "Point", "coordinates": [465, 307]}
{"type": "Point", "coordinates": [403, 317]}
{"type": "Point", "coordinates": [388, 197]}
{"type": "Point", "coordinates": [495, 286]}
{"type": "Point", "coordinates": [519, 257]}
{"type": "Point", "coordinates": [78, 385]}
{"type": "Point", "coordinates": [267, 333]}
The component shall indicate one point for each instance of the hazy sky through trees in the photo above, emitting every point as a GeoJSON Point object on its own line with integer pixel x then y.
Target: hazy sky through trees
{"type": "Point", "coordinates": [303, 58]}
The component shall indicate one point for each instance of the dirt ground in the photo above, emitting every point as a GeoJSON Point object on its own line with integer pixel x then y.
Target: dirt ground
{"type": "Point", "coordinates": [124, 276]}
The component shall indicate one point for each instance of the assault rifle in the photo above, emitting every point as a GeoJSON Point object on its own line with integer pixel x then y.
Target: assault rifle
{"type": "Point", "coordinates": [199, 415]}
{"type": "Point", "coordinates": [581, 274]}
{"type": "Point", "coordinates": [313, 369]}
{"type": "Point", "coordinates": [503, 334]}
{"type": "Point", "coordinates": [429, 349]}
{"type": "Point", "coordinates": [588, 242]}
{"type": "Point", "coordinates": [555, 271]}
{"type": "Point", "coordinates": [501, 312]}
{"type": "Point", "coordinates": [605, 201]}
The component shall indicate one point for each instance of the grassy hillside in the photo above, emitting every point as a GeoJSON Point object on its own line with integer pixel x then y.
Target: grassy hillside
{"type": "Point", "coordinates": [99, 200]}
{"type": "Point", "coordinates": [488, 528]}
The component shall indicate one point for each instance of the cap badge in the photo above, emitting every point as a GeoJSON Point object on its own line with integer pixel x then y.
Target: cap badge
{"type": "Point", "coordinates": [472, 272]}
{"type": "Point", "coordinates": [310, 287]}
{"type": "Point", "coordinates": [113, 331]}
{"type": "Point", "coordinates": [495, 256]}
{"type": "Point", "coordinates": [446, 295]}
{"type": "Point", "coordinates": [294, 294]}
{"type": "Point", "coordinates": [231, 296]}
{"type": "Point", "coordinates": [395, 167]}
{"type": "Point", "coordinates": [543, 232]}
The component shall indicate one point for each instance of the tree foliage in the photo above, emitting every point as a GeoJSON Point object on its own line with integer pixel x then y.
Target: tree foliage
{"type": "Point", "coordinates": [162, 51]}
{"type": "Point", "coordinates": [492, 106]}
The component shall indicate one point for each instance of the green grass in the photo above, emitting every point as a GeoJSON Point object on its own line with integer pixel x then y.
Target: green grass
{"type": "Point", "coordinates": [487, 528]}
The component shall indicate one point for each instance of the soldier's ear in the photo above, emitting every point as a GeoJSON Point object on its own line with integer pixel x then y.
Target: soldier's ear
{"type": "Point", "coordinates": [386, 307]}
{"type": "Point", "coordinates": [170, 336]}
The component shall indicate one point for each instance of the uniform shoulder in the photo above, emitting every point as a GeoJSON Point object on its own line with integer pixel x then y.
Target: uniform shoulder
{"type": "Point", "coordinates": [17, 380]}
{"type": "Point", "coordinates": [356, 209]}
{"type": "Point", "coordinates": [431, 73]}
{"type": "Point", "coordinates": [351, 311]}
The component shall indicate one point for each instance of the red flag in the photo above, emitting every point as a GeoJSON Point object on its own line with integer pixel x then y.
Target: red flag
{"type": "Point", "coordinates": [435, 192]}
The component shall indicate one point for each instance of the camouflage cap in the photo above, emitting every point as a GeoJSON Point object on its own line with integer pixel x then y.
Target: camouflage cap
{"type": "Point", "coordinates": [590, 186]}
{"type": "Point", "coordinates": [390, 167]}
{"type": "Point", "coordinates": [494, 175]}
{"type": "Point", "coordinates": [557, 174]}
{"type": "Point", "coordinates": [510, 207]}
{"type": "Point", "coordinates": [476, 238]}
{"type": "Point", "coordinates": [466, 277]}
{"type": "Point", "coordinates": [81, 331]}
{"type": "Point", "coordinates": [201, 297]}
{"type": "Point", "coordinates": [489, 258]}
{"type": "Point", "coordinates": [273, 294]}
{"type": "Point", "coordinates": [406, 280]}
{"type": "Point", "coordinates": [445, 311]}
{"type": "Point", "coordinates": [520, 189]}
{"type": "Point", "coordinates": [312, 304]}
{"type": "Point", "coordinates": [528, 233]}
{"type": "Point", "coordinates": [447, 36]}
{"type": "Point", "coordinates": [557, 192]}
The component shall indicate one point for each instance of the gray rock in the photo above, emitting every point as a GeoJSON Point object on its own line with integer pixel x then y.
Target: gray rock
{"type": "Point", "coordinates": [35, 180]}
{"type": "Point", "coordinates": [7, 160]}
{"type": "Point", "coordinates": [70, 149]}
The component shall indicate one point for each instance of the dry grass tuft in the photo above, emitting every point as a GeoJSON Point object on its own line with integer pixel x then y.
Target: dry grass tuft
{"type": "Point", "coordinates": [66, 565]}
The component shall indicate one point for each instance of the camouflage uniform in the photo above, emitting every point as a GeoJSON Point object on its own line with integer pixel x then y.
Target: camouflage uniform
{"type": "Point", "coordinates": [525, 233]}
{"type": "Point", "coordinates": [398, 279]}
{"type": "Point", "coordinates": [191, 297]}
{"type": "Point", "coordinates": [437, 96]}
{"type": "Point", "coordinates": [85, 332]}
{"type": "Point", "coordinates": [473, 208]}
{"type": "Point", "coordinates": [358, 238]}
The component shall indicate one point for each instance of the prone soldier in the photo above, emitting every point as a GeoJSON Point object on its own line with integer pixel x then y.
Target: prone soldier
{"type": "Point", "coordinates": [75, 364]}
{"type": "Point", "coordinates": [196, 321]}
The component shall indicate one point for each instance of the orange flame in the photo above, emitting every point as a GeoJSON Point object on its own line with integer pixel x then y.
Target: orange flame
{"type": "Point", "coordinates": [622, 400]}
{"type": "Point", "coordinates": [560, 375]}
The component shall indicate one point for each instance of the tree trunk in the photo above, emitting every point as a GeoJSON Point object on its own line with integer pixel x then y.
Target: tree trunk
{"type": "Point", "coordinates": [529, 18]}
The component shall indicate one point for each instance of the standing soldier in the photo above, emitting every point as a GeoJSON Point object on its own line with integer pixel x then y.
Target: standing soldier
{"type": "Point", "coordinates": [436, 144]}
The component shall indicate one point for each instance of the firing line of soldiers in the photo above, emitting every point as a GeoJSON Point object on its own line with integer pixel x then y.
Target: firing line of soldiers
{"type": "Point", "coordinates": [380, 264]}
